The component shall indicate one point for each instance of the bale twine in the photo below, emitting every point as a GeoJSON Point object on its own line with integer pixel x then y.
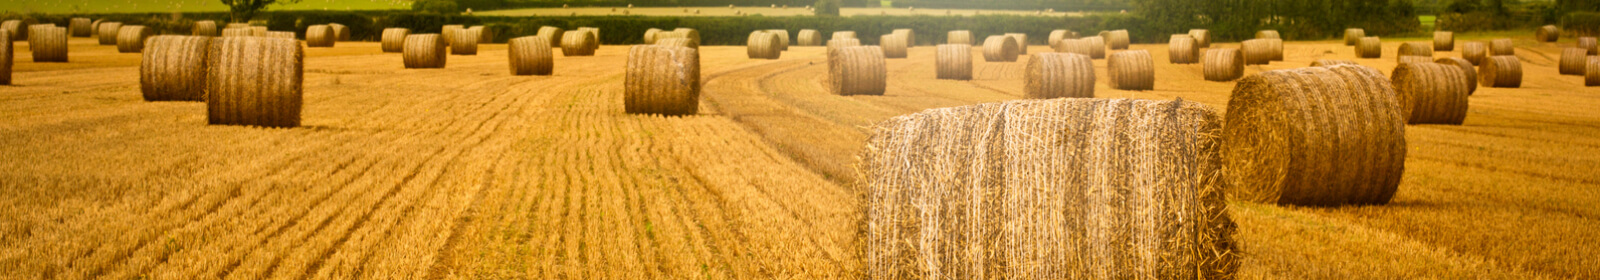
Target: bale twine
{"type": "Point", "coordinates": [808, 37]}
{"type": "Point", "coordinates": [857, 70]}
{"type": "Point", "coordinates": [552, 33]}
{"type": "Point", "coordinates": [894, 46]}
{"type": "Point", "coordinates": [1444, 41]}
{"type": "Point", "coordinates": [844, 35]}
{"type": "Point", "coordinates": [1117, 39]}
{"type": "Point", "coordinates": [1332, 62]}
{"type": "Point", "coordinates": [80, 27]}
{"type": "Point", "coordinates": [959, 37]}
{"type": "Point", "coordinates": [1268, 34]}
{"type": "Point", "coordinates": [1223, 65]}
{"type": "Point", "coordinates": [999, 48]}
{"type": "Point", "coordinates": [254, 81]}
{"type": "Point", "coordinates": [762, 45]}
{"type": "Point", "coordinates": [1573, 61]}
{"type": "Point", "coordinates": [425, 51]}
{"type": "Point", "coordinates": [1548, 33]}
{"type": "Point", "coordinates": [907, 35]}
{"type": "Point", "coordinates": [1021, 40]}
{"type": "Point", "coordinates": [1501, 71]}
{"type": "Point", "coordinates": [1353, 36]}
{"type": "Point", "coordinates": [1256, 51]}
{"type": "Point", "coordinates": [281, 35]}
{"type": "Point", "coordinates": [1058, 35]}
{"type": "Point", "coordinates": [1588, 43]}
{"type": "Point", "coordinates": [649, 35]}
{"type": "Point", "coordinates": [1499, 47]}
{"type": "Point", "coordinates": [677, 42]}
{"type": "Point", "coordinates": [465, 41]}
{"type": "Point", "coordinates": [1474, 52]}
{"type": "Point", "coordinates": [1071, 188]}
{"type": "Point", "coordinates": [840, 43]}
{"type": "Point", "coordinates": [1466, 69]}
{"type": "Point", "coordinates": [238, 32]}
{"type": "Point", "coordinates": [1415, 59]}
{"type": "Point", "coordinates": [688, 33]}
{"type": "Point", "coordinates": [1058, 75]}
{"type": "Point", "coordinates": [530, 55]}
{"type": "Point", "coordinates": [662, 80]}
{"type": "Point", "coordinates": [1591, 75]}
{"type": "Point", "coordinates": [1369, 47]}
{"type": "Point", "coordinates": [578, 43]}
{"type": "Point", "coordinates": [341, 33]}
{"type": "Point", "coordinates": [1416, 49]}
{"type": "Point", "coordinates": [204, 28]}
{"type": "Point", "coordinates": [954, 62]}
{"type": "Point", "coordinates": [1131, 70]}
{"type": "Point", "coordinates": [1431, 93]}
{"type": "Point", "coordinates": [1182, 49]}
{"type": "Point", "coordinates": [1319, 136]}
{"type": "Point", "coordinates": [394, 39]}
{"type": "Point", "coordinates": [320, 36]}
{"type": "Point", "coordinates": [449, 33]}
{"type": "Point", "coordinates": [18, 28]}
{"type": "Point", "coordinates": [783, 38]}
{"type": "Point", "coordinates": [48, 42]}
{"type": "Point", "coordinates": [107, 33]}
{"type": "Point", "coordinates": [173, 68]}
{"type": "Point", "coordinates": [130, 39]}
{"type": "Point", "coordinates": [5, 57]}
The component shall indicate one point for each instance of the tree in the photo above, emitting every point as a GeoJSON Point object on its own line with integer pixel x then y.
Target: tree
{"type": "Point", "coordinates": [244, 10]}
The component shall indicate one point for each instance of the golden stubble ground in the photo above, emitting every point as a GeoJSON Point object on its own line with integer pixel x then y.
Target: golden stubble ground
{"type": "Point", "coordinates": [470, 173]}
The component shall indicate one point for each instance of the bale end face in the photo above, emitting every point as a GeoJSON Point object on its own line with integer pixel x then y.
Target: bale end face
{"type": "Point", "coordinates": [662, 80]}
{"type": "Point", "coordinates": [270, 96]}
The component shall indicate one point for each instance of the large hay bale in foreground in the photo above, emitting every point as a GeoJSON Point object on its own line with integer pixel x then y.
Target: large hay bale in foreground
{"type": "Point", "coordinates": [1223, 65]}
{"type": "Point", "coordinates": [1431, 93]}
{"type": "Point", "coordinates": [762, 45]}
{"type": "Point", "coordinates": [1021, 40]}
{"type": "Point", "coordinates": [1058, 75]}
{"type": "Point", "coordinates": [1072, 187]}
{"type": "Point", "coordinates": [173, 68]}
{"type": "Point", "coordinates": [1094, 47]}
{"type": "Point", "coordinates": [677, 42]}
{"type": "Point", "coordinates": [999, 48]}
{"type": "Point", "coordinates": [48, 42]}
{"type": "Point", "coordinates": [1332, 62]}
{"type": "Point", "coordinates": [320, 36]}
{"type": "Point", "coordinates": [1268, 34]}
{"type": "Point", "coordinates": [1117, 39]}
{"type": "Point", "coordinates": [80, 27]}
{"type": "Point", "coordinates": [954, 62]}
{"type": "Point", "coordinates": [1498, 47]}
{"type": "Point", "coordinates": [907, 35]}
{"type": "Point", "coordinates": [1416, 49]}
{"type": "Point", "coordinates": [1548, 33]}
{"type": "Point", "coordinates": [578, 43]}
{"type": "Point", "coordinates": [108, 33]}
{"type": "Point", "coordinates": [1182, 49]}
{"type": "Point", "coordinates": [893, 45]}
{"type": "Point", "coordinates": [238, 32]}
{"type": "Point", "coordinates": [341, 33]}
{"type": "Point", "coordinates": [1467, 68]}
{"type": "Point", "coordinates": [1501, 71]}
{"type": "Point", "coordinates": [1573, 61]}
{"type": "Point", "coordinates": [959, 37]}
{"type": "Point", "coordinates": [1060, 34]}
{"type": "Point", "coordinates": [1202, 37]}
{"type": "Point", "coordinates": [808, 37]}
{"type": "Point", "coordinates": [1353, 36]}
{"type": "Point", "coordinates": [1319, 136]}
{"type": "Point", "coordinates": [448, 32]}
{"type": "Point", "coordinates": [662, 80]}
{"type": "Point", "coordinates": [1369, 47]}
{"type": "Point", "coordinates": [1415, 59]}
{"type": "Point", "coordinates": [552, 33]}
{"type": "Point", "coordinates": [1588, 43]}
{"type": "Point", "coordinates": [857, 71]}
{"type": "Point", "coordinates": [530, 55]}
{"type": "Point", "coordinates": [204, 28]}
{"type": "Point", "coordinates": [1444, 41]}
{"type": "Point", "coordinates": [1131, 70]}
{"type": "Point", "coordinates": [130, 39]}
{"type": "Point", "coordinates": [1256, 51]}
{"type": "Point", "coordinates": [394, 39]}
{"type": "Point", "coordinates": [18, 28]}
{"type": "Point", "coordinates": [1474, 52]}
{"type": "Point", "coordinates": [783, 38]}
{"type": "Point", "coordinates": [254, 81]}
{"type": "Point", "coordinates": [5, 57]}
{"type": "Point", "coordinates": [1590, 78]}
{"type": "Point", "coordinates": [846, 42]}
{"type": "Point", "coordinates": [465, 41]}
{"type": "Point", "coordinates": [425, 51]}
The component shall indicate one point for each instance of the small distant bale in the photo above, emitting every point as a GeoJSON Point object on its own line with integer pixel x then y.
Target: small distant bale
{"type": "Point", "coordinates": [1588, 43]}
{"type": "Point", "coordinates": [1548, 33]}
{"type": "Point", "coordinates": [1131, 70]}
{"type": "Point", "coordinates": [552, 33]}
{"type": "Point", "coordinates": [650, 35]}
{"type": "Point", "coordinates": [204, 28]}
{"type": "Point", "coordinates": [81, 27]}
{"type": "Point", "coordinates": [1058, 75]}
{"type": "Point", "coordinates": [1467, 68]}
{"type": "Point", "coordinates": [1332, 62]}
{"type": "Point", "coordinates": [341, 33]}
{"type": "Point", "coordinates": [844, 35]}
{"type": "Point", "coordinates": [320, 36]}
{"type": "Point", "coordinates": [1353, 36]}
{"type": "Point", "coordinates": [1574, 61]}
{"type": "Point", "coordinates": [5, 57]}
{"type": "Point", "coordinates": [662, 80]}
{"type": "Point", "coordinates": [1444, 41]}
{"type": "Point", "coordinates": [1058, 35]}
{"type": "Point", "coordinates": [394, 39]}
{"type": "Point", "coordinates": [173, 68]}
{"type": "Point", "coordinates": [1202, 37]}
{"type": "Point", "coordinates": [1222, 65]}
{"type": "Point", "coordinates": [1499, 47]}
{"type": "Point", "coordinates": [1257, 51]}
{"type": "Point", "coordinates": [762, 45]}
{"type": "Point", "coordinates": [677, 42]}
{"type": "Point", "coordinates": [1501, 71]}
{"type": "Point", "coordinates": [596, 32]}
{"type": "Point", "coordinates": [1182, 49]}
{"type": "Point", "coordinates": [1474, 52]}
{"type": "Point", "coordinates": [894, 46]}
{"type": "Point", "coordinates": [578, 43]}
{"type": "Point", "coordinates": [846, 42]}
{"type": "Point", "coordinates": [1268, 34]}
{"type": "Point", "coordinates": [130, 39]}
{"type": "Point", "coordinates": [18, 28]}
{"type": "Point", "coordinates": [1416, 49]}
{"type": "Point", "coordinates": [687, 33]}
{"type": "Point", "coordinates": [270, 96]}
{"type": "Point", "coordinates": [954, 62]}
{"type": "Point", "coordinates": [1369, 47]}
{"type": "Point", "coordinates": [484, 35]}
{"type": "Point", "coordinates": [1431, 93]}
{"type": "Point", "coordinates": [808, 37]}
{"type": "Point", "coordinates": [449, 33]}
{"type": "Point", "coordinates": [530, 55]}
{"type": "Point", "coordinates": [908, 35]}
{"type": "Point", "coordinates": [959, 37]}
{"type": "Point", "coordinates": [1117, 39]}
{"type": "Point", "coordinates": [1094, 47]}
{"type": "Point", "coordinates": [857, 71]}
{"type": "Point", "coordinates": [783, 38]}
{"type": "Point", "coordinates": [999, 48]}
{"type": "Point", "coordinates": [1022, 42]}
{"type": "Point", "coordinates": [465, 41]}
{"type": "Point", "coordinates": [424, 51]}
{"type": "Point", "coordinates": [48, 42]}
{"type": "Point", "coordinates": [108, 33]}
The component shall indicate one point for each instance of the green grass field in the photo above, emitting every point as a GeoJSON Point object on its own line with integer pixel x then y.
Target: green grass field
{"type": "Point", "coordinates": [148, 6]}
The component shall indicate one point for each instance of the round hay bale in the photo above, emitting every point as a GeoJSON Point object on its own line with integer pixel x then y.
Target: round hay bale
{"type": "Point", "coordinates": [763, 45]}
{"type": "Point", "coordinates": [108, 33]}
{"type": "Point", "coordinates": [677, 42]}
{"type": "Point", "coordinates": [578, 43]}
{"type": "Point", "coordinates": [808, 37]}
{"type": "Point", "coordinates": [1467, 68]}
{"type": "Point", "coordinates": [688, 33]}
{"type": "Point", "coordinates": [840, 43]}
{"type": "Point", "coordinates": [173, 68]}
{"type": "Point", "coordinates": [1052, 184]}
{"type": "Point", "coordinates": [530, 55]}
{"type": "Point", "coordinates": [909, 36]}
{"type": "Point", "coordinates": [465, 41]}
{"type": "Point", "coordinates": [999, 49]}
{"type": "Point", "coordinates": [1444, 41]}
{"type": "Point", "coordinates": [1591, 75]}
{"type": "Point", "coordinates": [1474, 52]}
{"type": "Point", "coordinates": [1182, 49]}
{"type": "Point", "coordinates": [1369, 47]}
{"type": "Point", "coordinates": [425, 51]}
{"type": "Point", "coordinates": [1021, 40]}
{"type": "Point", "coordinates": [1353, 36]}
{"type": "Point", "coordinates": [5, 57]}
{"type": "Point", "coordinates": [94, 28]}
{"type": "Point", "coordinates": [269, 95]}
{"type": "Point", "coordinates": [449, 33]}
{"type": "Point", "coordinates": [204, 28]}
{"type": "Point", "coordinates": [259, 31]}
{"type": "Point", "coordinates": [1415, 59]}
{"type": "Point", "coordinates": [1117, 39]}
{"type": "Point", "coordinates": [1431, 93]}
{"type": "Point", "coordinates": [596, 32]}
{"type": "Point", "coordinates": [1573, 61]}
{"type": "Point", "coordinates": [341, 33]}
{"type": "Point", "coordinates": [79, 27]}
{"type": "Point", "coordinates": [893, 45]}
{"type": "Point", "coordinates": [1499, 47]}
{"type": "Point", "coordinates": [1058, 35]}
{"type": "Point", "coordinates": [281, 35]}
{"type": "Point", "coordinates": [238, 32]}
{"type": "Point", "coordinates": [662, 80]}
{"type": "Point", "coordinates": [783, 38]}
{"type": "Point", "coordinates": [1058, 75]}
{"type": "Point", "coordinates": [1501, 71]}
{"type": "Point", "coordinates": [1588, 43]}
{"type": "Point", "coordinates": [394, 39]}
{"type": "Point", "coordinates": [1131, 70]}
{"type": "Point", "coordinates": [484, 36]}
{"type": "Point", "coordinates": [1276, 46]}
{"type": "Point", "coordinates": [1094, 47]}
{"type": "Point", "coordinates": [857, 70]}
{"type": "Point", "coordinates": [1548, 33]}
{"type": "Point", "coordinates": [1223, 65]}
{"type": "Point", "coordinates": [1416, 49]}
{"type": "Point", "coordinates": [552, 33]}
{"type": "Point", "coordinates": [18, 28]}
{"type": "Point", "coordinates": [131, 38]}
{"type": "Point", "coordinates": [844, 35]}
{"type": "Point", "coordinates": [954, 62]}
{"type": "Point", "coordinates": [1317, 136]}
{"type": "Point", "coordinates": [48, 42]}
{"type": "Point", "coordinates": [1202, 37]}
{"type": "Point", "coordinates": [320, 36]}
{"type": "Point", "coordinates": [650, 35]}
{"type": "Point", "coordinates": [1268, 34]}
{"type": "Point", "coordinates": [959, 37]}
{"type": "Point", "coordinates": [1256, 51]}
{"type": "Point", "coordinates": [1332, 62]}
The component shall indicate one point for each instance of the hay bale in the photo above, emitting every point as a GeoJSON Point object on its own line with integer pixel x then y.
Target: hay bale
{"type": "Point", "coordinates": [1369, 47]}
{"type": "Point", "coordinates": [808, 37]}
{"type": "Point", "coordinates": [1268, 34]}
{"type": "Point", "coordinates": [1021, 40]}
{"type": "Point", "coordinates": [530, 55]}
{"type": "Point", "coordinates": [5, 57]}
{"type": "Point", "coordinates": [18, 28]}
{"type": "Point", "coordinates": [840, 43]}
{"type": "Point", "coordinates": [341, 33]}
{"type": "Point", "coordinates": [1548, 33]}
{"type": "Point", "coordinates": [1058, 75]}
{"type": "Point", "coordinates": [650, 35]}
{"type": "Point", "coordinates": [1474, 52]}
{"type": "Point", "coordinates": [320, 36]}
{"type": "Point", "coordinates": [677, 42]}
{"type": "Point", "coordinates": [999, 48]}
{"type": "Point", "coordinates": [1117, 39]}
{"type": "Point", "coordinates": [688, 33]}
{"type": "Point", "coordinates": [107, 33]}
{"type": "Point", "coordinates": [269, 95]}
{"type": "Point", "coordinates": [1058, 35]}
{"type": "Point", "coordinates": [1590, 78]}
{"type": "Point", "coordinates": [425, 51]}
{"type": "Point", "coordinates": [1588, 43]}
{"type": "Point", "coordinates": [1431, 93]}
{"type": "Point", "coordinates": [857, 70]}
{"type": "Point", "coordinates": [1071, 187]}
{"type": "Point", "coordinates": [662, 80]}
{"type": "Point", "coordinates": [1416, 49]}
{"type": "Point", "coordinates": [1276, 46]}
{"type": "Point", "coordinates": [1501, 71]}
{"type": "Point", "coordinates": [173, 68]}
{"type": "Point", "coordinates": [1094, 47]}
{"type": "Point", "coordinates": [1444, 41]}
{"type": "Point", "coordinates": [893, 45]}
{"type": "Point", "coordinates": [1332, 62]}
{"type": "Point", "coordinates": [1182, 49]}
{"type": "Point", "coordinates": [844, 35]}
{"type": "Point", "coordinates": [48, 42]}
{"type": "Point", "coordinates": [204, 28]}
{"type": "Point", "coordinates": [954, 62]}
{"type": "Point", "coordinates": [484, 36]}
{"type": "Point", "coordinates": [281, 35]}
{"type": "Point", "coordinates": [1467, 69]}
{"type": "Point", "coordinates": [1499, 47]}
{"type": "Point", "coordinates": [1202, 38]}
{"type": "Point", "coordinates": [578, 43]}
{"type": "Point", "coordinates": [552, 33]}
{"type": "Point", "coordinates": [394, 39]}
{"type": "Point", "coordinates": [238, 32]}
{"type": "Point", "coordinates": [1256, 51]}
{"type": "Point", "coordinates": [1573, 61]}
{"type": "Point", "coordinates": [783, 38]}
{"type": "Point", "coordinates": [1319, 136]}
{"type": "Point", "coordinates": [1415, 59]}
{"type": "Point", "coordinates": [130, 39]}
{"type": "Point", "coordinates": [1353, 36]}
{"type": "Point", "coordinates": [907, 35]}
{"type": "Point", "coordinates": [959, 37]}
{"type": "Point", "coordinates": [1223, 65]}
{"type": "Point", "coordinates": [259, 31]}
{"type": "Point", "coordinates": [465, 41]}
{"type": "Point", "coordinates": [762, 45]}
{"type": "Point", "coordinates": [1131, 70]}
{"type": "Point", "coordinates": [596, 32]}
{"type": "Point", "coordinates": [449, 34]}
{"type": "Point", "coordinates": [80, 27]}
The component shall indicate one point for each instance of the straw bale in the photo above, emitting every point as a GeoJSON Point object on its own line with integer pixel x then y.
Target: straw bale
{"type": "Point", "coordinates": [908, 35]}
{"type": "Point", "coordinates": [530, 55]}
{"type": "Point", "coordinates": [552, 33]}
{"type": "Point", "coordinates": [464, 41]}
{"type": "Point", "coordinates": [1590, 78]}
{"type": "Point", "coordinates": [857, 70]}
{"type": "Point", "coordinates": [1573, 61]}
{"type": "Point", "coordinates": [320, 36]}
{"type": "Point", "coordinates": [650, 35]}
{"type": "Point", "coordinates": [1444, 41]}
{"type": "Point", "coordinates": [48, 42]}
{"type": "Point", "coordinates": [846, 42]}
{"type": "Point", "coordinates": [18, 28]}
{"type": "Point", "coordinates": [1182, 49]}
{"type": "Point", "coordinates": [173, 68]}
{"type": "Point", "coordinates": [1223, 65]}
{"type": "Point", "coordinates": [107, 33]}
{"type": "Point", "coordinates": [1369, 47]}
{"type": "Point", "coordinates": [1548, 33]}
{"type": "Point", "coordinates": [687, 33]}
{"type": "Point", "coordinates": [254, 81]}
{"type": "Point", "coordinates": [1353, 36]}
{"type": "Point", "coordinates": [1431, 93]}
{"type": "Point", "coordinates": [1131, 70]}
{"type": "Point", "coordinates": [425, 51]}
{"type": "Point", "coordinates": [844, 35]}
{"type": "Point", "coordinates": [999, 48]}
{"type": "Point", "coordinates": [80, 27]}
{"type": "Point", "coordinates": [1094, 47]}
{"type": "Point", "coordinates": [1256, 51]}
{"type": "Point", "coordinates": [677, 42]}
{"type": "Point", "coordinates": [341, 33]}
{"type": "Point", "coordinates": [578, 43]}
{"type": "Point", "coordinates": [6, 49]}
{"type": "Point", "coordinates": [1332, 62]}
{"type": "Point", "coordinates": [954, 62]}
{"type": "Point", "coordinates": [1268, 34]}
{"type": "Point", "coordinates": [1416, 49]}
{"type": "Point", "coordinates": [130, 39]}
{"type": "Point", "coordinates": [1060, 34]}
{"type": "Point", "coordinates": [1021, 40]}
{"type": "Point", "coordinates": [238, 32]}
{"type": "Point", "coordinates": [783, 38]}
{"type": "Point", "coordinates": [808, 37]}
{"type": "Point", "coordinates": [1202, 37]}
{"type": "Point", "coordinates": [893, 45]}
{"type": "Point", "coordinates": [1117, 39]}
{"type": "Point", "coordinates": [449, 34]}
{"type": "Point", "coordinates": [662, 80]}
{"type": "Point", "coordinates": [959, 37]}
{"type": "Point", "coordinates": [763, 45]}
{"type": "Point", "coordinates": [1474, 52]}
{"type": "Point", "coordinates": [394, 39]}
{"type": "Point", "coordinates": [281, 35]}
{"type": "Point", "coordinates": [1467, 68]}
{"type": "Point", "coordinates": [1501, 71]}
{"type": "Point", "coordinates": [1588, 43]}
{"type": "Point", "coordinates": [1058, 75]}
{"type": "Point", "coordinates": [1498, 47]}
{"type": "Point", "coordinates": [1415, 59]}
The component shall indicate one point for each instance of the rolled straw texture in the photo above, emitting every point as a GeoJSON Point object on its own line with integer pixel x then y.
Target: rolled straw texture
{"type": "Point", "coordinates": [1498, 47]}
{"type": "Point", "coordinates": [1091, 46]}
{"type": "Point", "coordinates": [5, 56]}
{"type": "Point", "coordinates": [486, 37]}
{"type": "Point", "coordinates": [783, 38]}
{"type": "Point", "coordinates": [857, 71]}
{"type": "Point", "coordinates": [130, 39]}
{"type": "Point", "coordinates": [1474, 52]}
{"type": "Point", "coordinates": [1588, 43]}
{"type": "Point", "coordinates": [1223, 65]}
{"type": "Point", "coordinates": [18, 28]}
{"type": "Point", "coordinates": [1501, 71]}
{"type": "Point", "coordinates": [808, 37]}
{"type": "Point", "coordinates": [999, 49]}
{"type": "Point", "coordinates": [259, 31]}
{"type": "Point", "coordinates": [394, 39]}
{"type": "Point", "coordinates": [595, 31]}
{"type": "Point", "coordinates": [662, 80]}
{"type": "Point", "coordinates": [320, 36]}
{"type": "Point", "coordinates": [1021, 40]}
{"type": "Point", "coordinates": [677, 42]}
{"type": "Point", "coordinates": [1573, 61]}
{"type": "Point", "coordinates": [1268, 34]}
{"type": "Point", "coordinates": [844, 35]}
{"type": "Point", "coordinates": [1058, 35]}
{"type": "Point", "coordinates": [1182, 49]}
{"type": "Point", "coordinates": [762, 45]}
{"type": "Point", "coordinates": [650, 35]}
{"type": "Point", "coordinates": [1431, 93]}
{"type": "Point", "coordinates": [578, 43]}
{"type": "Point", "coordinates": [1332, 62]}
{"type": "Point", "coordinates": [552, 33]}
{"type": "Point", "coordinates": [449, 33]}
{"type": "Point", "coordinates": [1353, 36]}
{"type": "Point", "coordinates": [1590, 78]}
{"type": "Point", "coordinates": [1467, 69]}
{"type": "Point", "coordinates": [1256, 51]}
{"type": "Point", "coordinates": [341, 33]}
{"type": "Point", "coordinates": [1076, 188]}
{"type": "Point", "coordinates": [530, 55]}
{"type": "Point", "coordinates": [959, 37]}
{"type": "Point", "coordinates": [1416, 49]}
{"type": "Point", "coordinates": [1369, 47]}
{"type": "Point", "coordinates": [254, 81]}
{"type": "Point", "coordinates": [1319, 136]}
{"type": "Point", "coordinates": [1548, 33]}
{"type": "Point", "coordinates": [1202, 37]}
{"type": "Point", "coordinates": [281, 35]}
{"type": "Point", "coordinates": [909, 36]}
{"type": "Point", "coordinates": [893, 46]}
{"type": "Point", "coordinates": [238, 32]}
{"type": "Point", "coordinates": [173, 68]}
{"type": "Point", "coordinates": [846, 42]}
{"type": "Point", "coordinates": [108, 33]}
{"type": "Point", "coordinates": [1415, 59]}
{"type": "Point", "coordinates": [1444, 41]}
{"type": "Point", "coordinates": [465, 41]}
{"type": "Point", "coordinates": [48, 42]}
{"type": "Point", "coordinates": [688, 33]}
{"type": "Point", "coordinates": [425, 51]}
{"type": "Point", "coordinates": [1058, 75]}
{"type": "Point", "coordinates": [1117, 39]}
{"type": "Point", "coordinates": [1131, 70]}
{"type": "Point", "coordinates": [204, 28]}
{"type": "Point", "coordinates": [1276, 46]}
{"type": "Point", "coordinates": [81, 27]}
{"type": "Point", "coordinates": [954, 62]}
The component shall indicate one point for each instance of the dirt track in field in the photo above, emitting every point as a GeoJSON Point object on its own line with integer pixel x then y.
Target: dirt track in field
{"type": "Point", "coordinates": [470, 173]}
